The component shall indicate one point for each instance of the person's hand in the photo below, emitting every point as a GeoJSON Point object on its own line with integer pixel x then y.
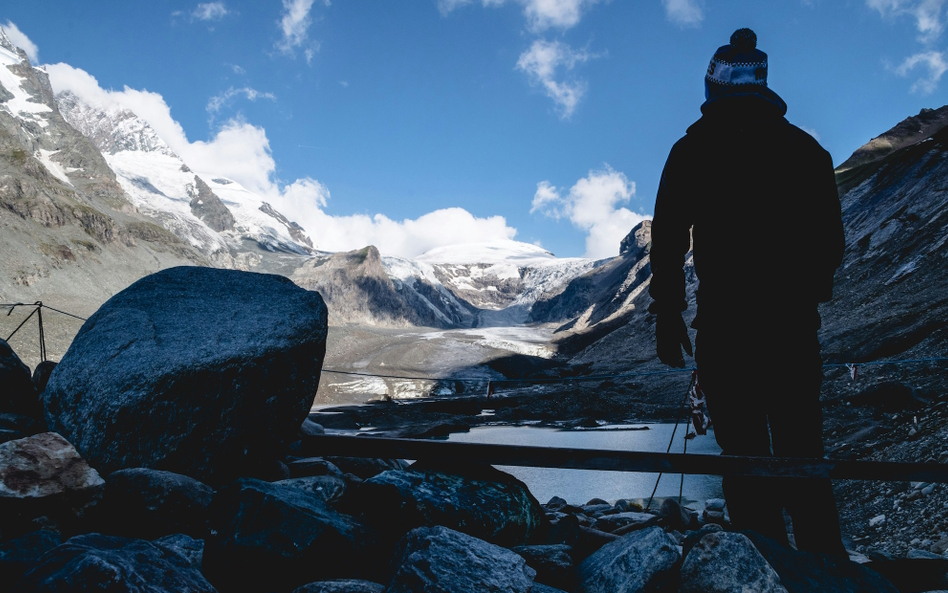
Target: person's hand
{"type": "Point", "coordinates": [672, 335]}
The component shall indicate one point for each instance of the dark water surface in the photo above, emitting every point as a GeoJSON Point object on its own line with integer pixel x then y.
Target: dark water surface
{"type": "Point", "coordinates": [579, 486]}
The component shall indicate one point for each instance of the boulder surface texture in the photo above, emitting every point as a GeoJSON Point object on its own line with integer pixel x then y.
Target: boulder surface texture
{"type": "Point", "coordinates": [198, 371]}
{"type": "Point", "coordinates": [645, 560]}
{"type": "Point", "coordinates": [42, 466]}
{"type": "Point", "coordinates": [151, 503]}
{"type": "Point", "coordinates": [265, 537]}
{"type": "Point", "coordinates": [727, 563]}
{"type": "Point", "coordinates": [441, 560]}
{"type": "Point", "coordinates": [479, 501]}
{"type": "Point", "coordinates": [97, 562]}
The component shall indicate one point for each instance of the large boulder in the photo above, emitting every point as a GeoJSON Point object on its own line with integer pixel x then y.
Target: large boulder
{"type": "Point", "coordinates": [97, 562]}
{"type": "Point", "coordinates": [441, 560]}
{"type": "Point", "coordinates": [644, 560]}
{"type": "Point", "coordinates": [21, 554]}
{"type": "Point", "coordinates": [151, 503]}
{"type": "Point", "coordinates": [727, 563]}
{"type": "Point", "coordinates": [18, 395]}
{"type": "Point", "coordinates": [267, 537]}
{"type": "Point", "coordinates": [477, 500]}
{"type": "Point", "coordinates": [197, 371]}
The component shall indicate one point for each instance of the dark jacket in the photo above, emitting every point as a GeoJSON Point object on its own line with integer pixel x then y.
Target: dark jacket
{"type": "Point", "coordinates": [760, 195]}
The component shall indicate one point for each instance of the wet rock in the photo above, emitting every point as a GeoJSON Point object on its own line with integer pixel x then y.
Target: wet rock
{"type": "Point", "coordinates": [97, 562]}
{"type": "Point", "coordinates": [41, 375]}
{"type": "Point", "coordinates": [341, 586]}
{"type": "Point", "coordinates": [20, 555]}
{"type": "Point", "coordinates": [553, 563]}
{"type": "Point", "coordinates": [190, 548]}
{"type": "Point", "coordinates": [726, 563]}
{"type": "Point", "coordinates": [263, 536]}
{"type": "Point", "coordinates": [803, 572]}
{"type": "Point", "coordinates": [364, 467]}
{"type": "Point", "coordinates": [645, 560]}
{"type": "Point", "coordinates": [327, 488]}
{"type": "Point", "coordinates": [441, 560]}
{"type": "Point", "coordinates": [198, 371]}
{"type": "Point", "coordinates": [18, 395]}
{"type": "Point", "coordinates": [477, 500]}
{"type": "Point", "coordinates": [150, 503]}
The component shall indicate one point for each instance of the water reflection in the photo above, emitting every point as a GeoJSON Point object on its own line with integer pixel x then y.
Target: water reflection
{"type": "Point", "coordinates": [579, 486]}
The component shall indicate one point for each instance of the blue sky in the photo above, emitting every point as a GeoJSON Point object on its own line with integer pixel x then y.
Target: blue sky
{"type": "Point", "coordinates": [417, 123]}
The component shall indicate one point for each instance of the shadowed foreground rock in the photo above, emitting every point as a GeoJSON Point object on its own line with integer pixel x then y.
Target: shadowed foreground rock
{"type": "Point", "coordinates": [97, 562]}
{"type": "Point", "coordinates": [150, 503]}
{"type": "Point", "coordinates": [341, 586]}
{"type": "Point", "coordinates": [477, 500]}
{"type": "Point", "coordinates": [266, 537]}
{"type": "Point", "coordinates": [441, 560]}
{"type": "Point", "coordinates": [18, 395]}
{"type": "Point", "coordinates": [645, 560]}
{"type": "Point", "coordinates": [197, 371]}
{"type": "Point", "coordinates": [727, 563]}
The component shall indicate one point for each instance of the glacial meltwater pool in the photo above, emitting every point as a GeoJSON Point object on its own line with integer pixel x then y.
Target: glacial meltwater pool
{"type": "Point", "coordinates": [579, 486]}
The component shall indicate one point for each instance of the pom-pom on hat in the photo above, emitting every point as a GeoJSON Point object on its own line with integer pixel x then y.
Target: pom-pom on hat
{"type": "Point", "coordinates": [739, 68]}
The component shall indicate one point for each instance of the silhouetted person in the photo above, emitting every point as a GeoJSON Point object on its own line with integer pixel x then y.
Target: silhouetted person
{"type": "Point", "coordinates": [758, 198]}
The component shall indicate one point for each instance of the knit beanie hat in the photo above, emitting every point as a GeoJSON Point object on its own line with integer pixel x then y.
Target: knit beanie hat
{"type": "Point", "coordinates": [739, 69]}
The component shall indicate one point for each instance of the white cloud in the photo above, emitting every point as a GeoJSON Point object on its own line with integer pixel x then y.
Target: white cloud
{"type": "Point", "coordinates": [929, 15]}
{"type": "Point", "coordinates": [541, 63]}
{"type": "Point", "coordinates": [686, 13]}
{"type": "Point", "coordinates": [933, 61]}
{"type": "Point", "coordinates": [294, 25]}
{"type": "Point", "coordinates": [540, 14]}
{"type": "Point", "coordinates": [592, 205]}
{"type": "Point", "coordinates": [19, 39]}
{"type": "Point", "coordinates": [209, 11]}
{"type": "Point", "coordinates": [241, 151]}
{"type": "Point", "coordinates": [237, 69]}
{"type": "Point", "coordinates": [215, 103]}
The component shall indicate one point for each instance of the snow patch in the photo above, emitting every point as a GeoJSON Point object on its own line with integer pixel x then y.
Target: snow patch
{"type": "Point", "coordinates": [51, 165]}
{"type": "Point", "coordinates": [21, 105]}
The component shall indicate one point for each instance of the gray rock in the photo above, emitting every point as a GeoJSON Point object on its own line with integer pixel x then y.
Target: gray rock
{"type": "Point", "coordinates": [263, 536]}
{"type": "Point", "coordinates": [923, 555]}
{"type": "Point", "coordinates": [43, 466]}
{"type": "Point", "coordinates": [341, 586]}
{"type": "Point", "coordinates": [21, 554]}
{"type": "Point", "coordinates": [694, 537]}
{"type": "Point", "coordinates": [97, 562]}
{"type": "Point", "coordinates": [208, 207]}
{"type": "Point", "coordinates": [727, 563]}
{"type": "Point", "coordinates": [479, 501]}
{"type": "Point", "coordinates": [328, 488]}
{"type": "Point", "coordinates": [553, 563]}
{"type": "Point", "coordinates": [41, 375]}
{"type": "Point", "coordinates": [675, 516]}
{"type": "Point", "coordinates": [613, 522]}
{"type": "Point", "coordinates": [556, 503]}
{"type": "Point", "coordinates": [441, 560]}
{"type": "Point", "coordinates": [185, 545]}
{"type": "Point", "coordinates": [310, 428]}
{"type": "Point", "coordinates": [198, 371]}
{"type": "Point", "coordinates": [150, 503]}
{"type": "Point", "coordinates": [18, 395]}
{"type": "Point", "coordinates": [541, 588]}
{"type": "Point", "coordinates": [645, 560]}
{"type": "Point", "coordinates": [715, 504]}
{"type": "Point", "coordinates": [598, 509]}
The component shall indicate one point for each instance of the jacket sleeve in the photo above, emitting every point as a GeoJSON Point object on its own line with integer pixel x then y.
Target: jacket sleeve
{"type": "Point", "coordinates": [671, 234]}
{"type": "Point", "coordinates": [828, 227]}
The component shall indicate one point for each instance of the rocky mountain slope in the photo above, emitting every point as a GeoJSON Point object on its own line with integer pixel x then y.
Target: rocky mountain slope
{"type": "Point", "coordinates": [69, 228]}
